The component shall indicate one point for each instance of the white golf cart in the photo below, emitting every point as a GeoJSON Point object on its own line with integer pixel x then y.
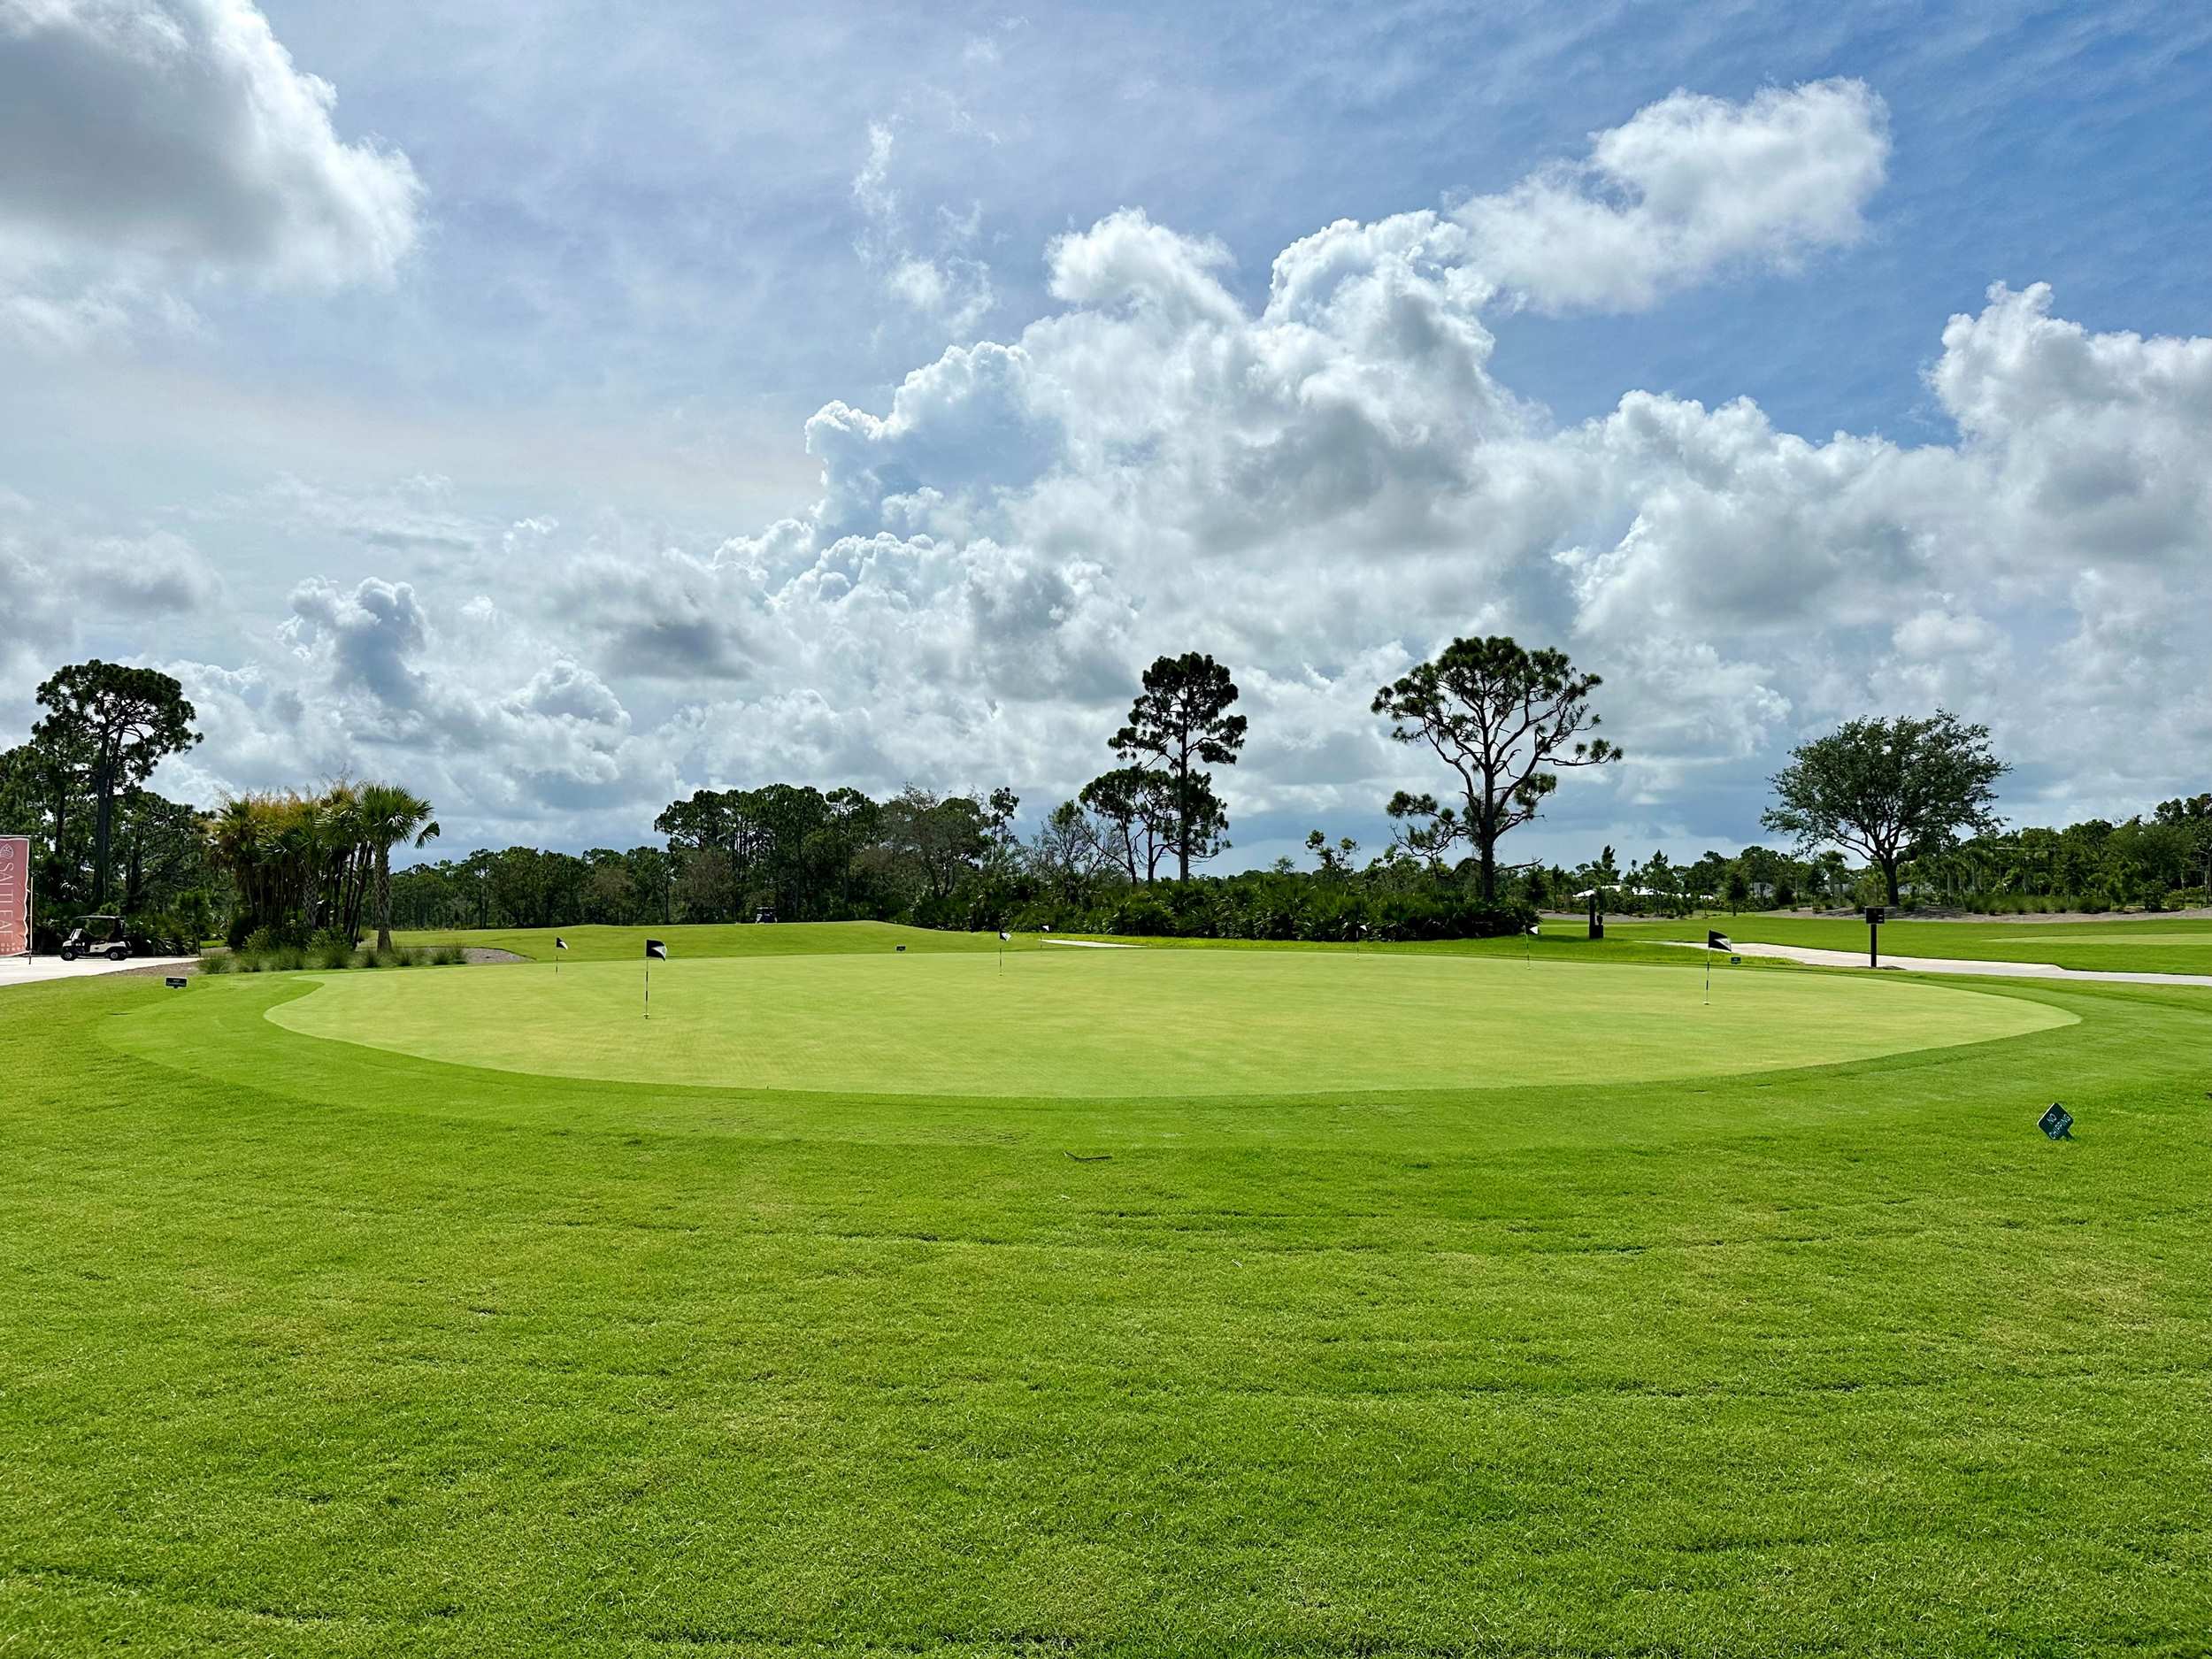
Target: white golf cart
{"type": "Point", "coordinates": [97, 936]}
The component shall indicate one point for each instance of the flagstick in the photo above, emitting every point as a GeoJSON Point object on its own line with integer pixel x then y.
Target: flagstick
{"type": "Point", "coordinates": [649, 987]}
{"type": "Point", "coordinates": [1709, 978]}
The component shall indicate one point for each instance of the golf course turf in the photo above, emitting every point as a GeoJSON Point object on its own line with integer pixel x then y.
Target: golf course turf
{"type": "Point", "coordinates": [2122, 944]}
{"type": "Point", "coordinates": [1367, 1310]}
{"type": "Point", "coordinates": [1056, 1023]}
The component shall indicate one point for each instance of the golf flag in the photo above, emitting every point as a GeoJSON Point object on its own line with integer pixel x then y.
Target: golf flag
{"type": "Point", "coordinates": [559, 943]}
{"type": "Point", "coordinates": [1004, 936]}
{"type": "Point", "coordinates": [655, 951]}
{"type": "Point", "coordinates": [1717, 942]}
{"type": "Point", "coordinates": [1534, 930]}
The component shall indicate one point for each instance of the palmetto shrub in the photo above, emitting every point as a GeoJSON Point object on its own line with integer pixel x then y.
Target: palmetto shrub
{"type": "Point", "coordinates": [328, 955]}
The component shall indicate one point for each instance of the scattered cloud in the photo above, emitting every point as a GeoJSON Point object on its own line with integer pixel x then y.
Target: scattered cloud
{"type": "Point", "coordinates": [1319, 485]}
{"type": "Point", "coordinates": [1690, 186]}
{"type": "Point", "coordinates": [407, 515]}
{"type": "Point", "coordinates": [943, 280]}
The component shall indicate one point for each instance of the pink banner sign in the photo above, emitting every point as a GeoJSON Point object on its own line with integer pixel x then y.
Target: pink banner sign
{"type": "Point", "coordinates": [15, 895]}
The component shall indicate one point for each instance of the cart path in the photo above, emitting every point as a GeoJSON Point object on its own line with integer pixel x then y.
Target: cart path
{"type": "Point", "coordinates": [38, 970]}
{"type": "Point", "coordinates": [1814, 956]}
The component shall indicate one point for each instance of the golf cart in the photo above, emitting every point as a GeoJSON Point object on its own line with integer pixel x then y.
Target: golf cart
{"type": "Point", "coordinates": [97, 936]}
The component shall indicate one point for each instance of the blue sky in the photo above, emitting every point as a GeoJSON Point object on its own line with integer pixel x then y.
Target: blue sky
{"type": "Point", "coordinates": [461, 430]}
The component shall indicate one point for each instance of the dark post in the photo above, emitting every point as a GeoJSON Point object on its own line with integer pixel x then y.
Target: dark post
{"type": "Point", "coordinates": [1873, 932]}
{"type": "Point", "coordinates": [1597, 918]}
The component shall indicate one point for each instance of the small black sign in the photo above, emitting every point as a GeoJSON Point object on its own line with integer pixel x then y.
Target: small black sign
{"type": "Point", "coordinates": [1875, 915]}
{"type": "Point", "coordinates": [174, 982]}
{"type": "Point", "coordinates": [2057, 1123]}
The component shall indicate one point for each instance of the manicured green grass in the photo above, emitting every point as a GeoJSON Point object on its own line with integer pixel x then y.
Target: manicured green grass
{"type": "Point", "coordinates": [1057, 1022]}
{"type": "Point", "coordinates": [716, 938]}
{"type": "Point", "coordinates": [687, 942]}
{"type": "Point", "coordinates": [307, 1346]}
{"type": "Point", "coordinates": [2127, 944]}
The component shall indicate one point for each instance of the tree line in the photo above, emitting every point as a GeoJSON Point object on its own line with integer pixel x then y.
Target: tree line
{"type": "Point", "coordinates": [1913, 798]}
{"type": "Point", "coordinates": [284, 867]}
{"type": "Point", "coordinates": [1121, 855]}
{"type": "Point", "coordinates": [101, 841]}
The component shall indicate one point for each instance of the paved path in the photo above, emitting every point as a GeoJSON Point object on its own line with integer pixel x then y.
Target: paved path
{"type": "Point", "coordinates": [36, 969]}
{"type": "Point", "coordinates": [1819, 958]}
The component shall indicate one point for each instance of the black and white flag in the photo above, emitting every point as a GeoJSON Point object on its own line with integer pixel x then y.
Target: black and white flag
{"type": "Point", "coordinates": [1717, 942]}
{"type": "Point", "coordinates": [1534, 930]}
{"type": "Point", "coordinates": [656, 950]}
{"type": "Point", "coordinates": [1004, 937]}
{"type": "Point", "coordinates": [559, 943]}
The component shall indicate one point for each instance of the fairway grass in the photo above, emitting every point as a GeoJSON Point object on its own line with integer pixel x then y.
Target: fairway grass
{"type": "Point", "coordinates": [594, 944]}
{"type": "Point", "coordinates": [2129, 944]}
{"type": "Point", "coordinates": [309, 1347]}
{"type": "Point", "coordinates": [1126, 1024]}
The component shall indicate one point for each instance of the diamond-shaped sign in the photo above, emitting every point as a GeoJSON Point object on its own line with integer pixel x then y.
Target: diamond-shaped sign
{"type": "Point", "coordinates": [2057, 1123]}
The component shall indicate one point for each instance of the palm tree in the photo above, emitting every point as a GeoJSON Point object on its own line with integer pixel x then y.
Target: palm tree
{"type": "Point", "coordinates": [385, 815]}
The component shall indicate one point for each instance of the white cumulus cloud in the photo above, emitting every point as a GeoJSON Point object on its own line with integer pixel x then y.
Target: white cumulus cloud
{"type": "Point", "coordinates": [155, 142]}
{"type": "Point", "coordinates": [1689, 187]}
{"type": "Point", "coordinates": [1320, 487]}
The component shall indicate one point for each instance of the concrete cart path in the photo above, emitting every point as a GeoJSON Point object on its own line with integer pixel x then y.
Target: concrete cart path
{"type": "Point", "coordinates": [37, 970]}
{"type": "Point", "coordinates": [1813, 956]}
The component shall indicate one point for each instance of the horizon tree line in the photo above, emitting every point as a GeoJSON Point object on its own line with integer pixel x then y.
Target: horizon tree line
{"type": "Point", "coordinates": [1914, 797]}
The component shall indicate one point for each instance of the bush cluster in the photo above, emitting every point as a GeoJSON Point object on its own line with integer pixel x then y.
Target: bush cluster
{"type": "Point", "coordinates": [1263, 904]}
{"type": "Point", "coordinates": [327, 951]}
{"type": "Point", "coordinates": [2094, 903]}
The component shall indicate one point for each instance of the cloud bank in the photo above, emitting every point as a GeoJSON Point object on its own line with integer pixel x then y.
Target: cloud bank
{"type": "Point", "coordinates": [1319, 484]}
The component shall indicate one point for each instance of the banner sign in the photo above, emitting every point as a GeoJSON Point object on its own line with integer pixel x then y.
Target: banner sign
{"type": "Point", "coordinates": [15, 895]}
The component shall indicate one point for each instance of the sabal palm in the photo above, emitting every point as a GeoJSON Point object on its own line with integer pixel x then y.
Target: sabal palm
{"type": "Point", "coordinates": [387, 815]}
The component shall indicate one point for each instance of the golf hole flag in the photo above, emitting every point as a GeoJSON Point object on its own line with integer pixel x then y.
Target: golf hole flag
{"type": "Point", "coordinates": [1004, 937]}
{"type": "Point", "coordinates": [15, 895]}
{"type": "Point", "coordinates": [1534, 930]}
{"type": "Point", "coordinates": [559, 943]}
{"type": "Point", "coordinates": [655, 951]}
{"type": "Point", "coordinates": [1719, 942]}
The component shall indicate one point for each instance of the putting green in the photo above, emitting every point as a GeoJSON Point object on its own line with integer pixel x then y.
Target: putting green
{"type": "Point", "coordinates": [1124, 1023]}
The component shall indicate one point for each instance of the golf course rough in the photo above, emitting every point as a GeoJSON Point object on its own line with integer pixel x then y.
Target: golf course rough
{"type": "Point", "coordinates": [1050, 1024]}
{"type": "Point", "coordinates": [309, 1346]}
